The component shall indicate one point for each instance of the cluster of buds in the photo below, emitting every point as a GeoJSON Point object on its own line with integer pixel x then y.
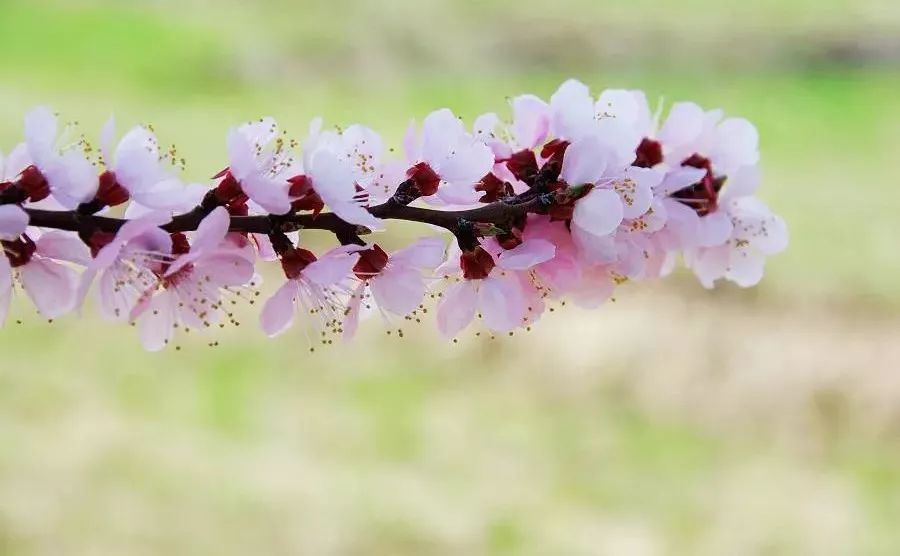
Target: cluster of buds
{"type": "Point", "coordinates": [566, 199]}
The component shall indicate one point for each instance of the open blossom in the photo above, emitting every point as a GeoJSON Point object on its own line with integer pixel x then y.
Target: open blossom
{"type": "Point", "coordinates": [316, 290]}
{"type": "Point", "coordinates": [564, 199]}
{"type": "Point", "coordinates": [67, 172]}
{"type": "Point", "coordinates": [260, 163]}
{"type": "Point", "coordinates": [189, 290]}
{"type": "Point", "coordinates": [392, 282]}
{"type": "Point", "coordinates": [135, 169]}
{"type": "Point", "coordinates": [40, 267]}
{"type": "Point", "coordinates": [490, 286]}
{"type": "Point", "coordinates": [446, 161]}
{"type": "Point", "coordinates": [337, 167]}
{"type": "Point", "coordinates": [127, 264]}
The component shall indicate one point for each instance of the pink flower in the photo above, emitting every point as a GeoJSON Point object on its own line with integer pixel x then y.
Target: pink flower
{"type": "Point", "coordinates": [70, 176]}
{"type": "Point", "coordinates": [260, 163]}
{"type": "Point", "coordinates": [136, 166]}
{"type": "Point", "coordinates": [448, 162]}
{"type": "Point", "coordinates": [317, 289]}
{"type": "Point", "coordinates": [338, 166]}
{"type": "Point", "coordinates": [393, 283]}
{"type": "Point", "coordinates": [755, 233]}
{"type": "Point", "coordinates": [189, 292]}
{"type": "Point", "coordinates": [49, 283]}
{"type": "Point", "coordinates": [127, 265]}
{"type": "Point", "coordinates": [490, 286]}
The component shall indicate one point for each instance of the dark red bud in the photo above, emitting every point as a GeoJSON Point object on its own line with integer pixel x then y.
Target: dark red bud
{"type": "Point", "coordinates": [649, 153]}
{"type": "Point", "coordinates": [294, 260]}
{"type": "Point", "coordinates": [371, 262]}
{"type": "Point", "coordinates": [110, 192]}
{"type": "Point", "coordinates": [523, 165]}
{"type": "Point", "coordinates": [476, 264]}
{"type": "Point", "coordinates": [425, 179]}
{"type": "Point", "coordinates": [18, 251]}
{"type": "Point", "coordinates": [180, 244]}
{"type": "Point", "coordinates": [34, 183]}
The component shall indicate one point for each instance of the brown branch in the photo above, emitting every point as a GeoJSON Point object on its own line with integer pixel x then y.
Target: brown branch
{"type": "Point", "coordinates": [500, 213]}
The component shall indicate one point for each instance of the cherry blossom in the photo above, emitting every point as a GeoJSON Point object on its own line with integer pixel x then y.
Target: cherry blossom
{"type": "Point", "coordinates": [559, 199]}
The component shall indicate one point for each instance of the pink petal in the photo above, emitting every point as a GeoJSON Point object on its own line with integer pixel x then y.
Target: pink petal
{"type": "Point", "coordinates": [571, 110]}
{"type": "Point", "coordinates": [330, 270]}
{"type": "Point", "coordinates": [398, 290]}
{"type": "Point", "coordinates": [599, 213]}
{"type": "Point", "coordinates": [211, 231]}
{"type": "Point", "coordinates": [271, 195]}
{"type": "Point", "coordinates": [440, 131]}
{"type": "Point", "coordinates": [63, 246]}
{"type": "Point", "coordinates": [278, 311]}
{"type": "Point", "coordinates": [741, 183]}
{"type": "Point", "coordinates": [745, 268]}
{"type": "Point", "coordinates": [469, 162]}
{"type": "Point", "coordinates": [678, 179]}
{"type": "Point", "coordinates": [5, 275]}
{"type": "Point", "coordinates": [355, 214]}
{"type": "Point", "coordinates": [501, 303]}
{"type": "Point", "coordinates": [424, 253]}
{"type": "Point", "coordinates": [684, 124]}
{"type": "Point", "coordinates": [157, 324]}
{"type": "Point", "coordinates": [592, 248]}
{"type": "Point", "coordinates": [531, 120]}
{"type": "Point", "coordinates": [457, 307]}
{"type": "Point", "coordinates": [40, 134]}
{"type": "Point", "coordinates": [584, 161]}
{"type": "Point", "coordinates": [167, 193]}
{"type": "Point", "coordinates": [241, 156]}
{"type": "Point", "coordinates": [527, 254]}
{"type": "Point", "coordinates": [72, 178]}
{"type": "Point", "coordinates": [736, 145]}
{"type": "Point", "coordinates": [709, 264]}
{"type": "Point", "coordinates": [715, 229]}
{"type": "Point", "coordinates": [50, 285]}
{"type": "Point", "coordinates": [350, 324]}
{"type": "Point", "coordinates": [13, 221]}
{"type": "Point", "coordinates": [226, 268]}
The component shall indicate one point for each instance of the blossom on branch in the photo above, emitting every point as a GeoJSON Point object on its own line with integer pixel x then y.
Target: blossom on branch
{"type": "Point", "coordinates": [565, 199]}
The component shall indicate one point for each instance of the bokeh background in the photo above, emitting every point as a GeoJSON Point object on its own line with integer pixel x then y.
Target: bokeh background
{"type": "Point", "coordinates": [671, 421]}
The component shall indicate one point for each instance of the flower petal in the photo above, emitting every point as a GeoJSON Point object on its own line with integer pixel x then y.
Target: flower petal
{"type": "Point", "coordinates": [527, 254]}
{"type": "Point", "coordinates": [278, 311]}
{"type": "Point", "coordinates": [50, 285]}
{"type": "Point", "coordinates": [13, 221]}
{"type": "Point", "coordinates": [457, 307]}
{"type": "Point", "coordinates": [599, 212]}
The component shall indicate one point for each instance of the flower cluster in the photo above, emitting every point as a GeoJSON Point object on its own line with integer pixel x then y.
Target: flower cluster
{"type": "Point", "coordinates": [566, 199]}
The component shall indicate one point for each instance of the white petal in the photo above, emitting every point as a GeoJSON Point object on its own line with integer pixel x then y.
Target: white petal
{"type": "Point", "coordinates": [441, 131]}
{"type": "Point", "coordinates": [584, 161]}
{"type": "Point", "coordinates": [13, 221]}
{"type": "Point", "coordinates": [684, 125]}
{"type": "Point", "coordinates": [599, 212]}
{"type": "Point", "coordinates": [715, 229]}
{"type": "Point", "coordinates": [211, 231]}
{"type": "Point", "coordinates": [531, 120]}
{"type": "Point", "coordinates": [332, 178]}
{"type": "Point", "coordinates": [571, 110]}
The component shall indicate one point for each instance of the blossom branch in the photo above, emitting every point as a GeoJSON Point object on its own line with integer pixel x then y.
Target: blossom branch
{"type": "Point", "coordinates": [569, 200]}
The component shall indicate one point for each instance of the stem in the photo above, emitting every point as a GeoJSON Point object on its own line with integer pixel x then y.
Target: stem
{"type": "Point", "coordinates": [499, 213]}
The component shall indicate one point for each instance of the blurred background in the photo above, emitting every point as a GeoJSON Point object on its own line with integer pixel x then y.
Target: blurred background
{"type": "Point", "coordinates": [671, 421]}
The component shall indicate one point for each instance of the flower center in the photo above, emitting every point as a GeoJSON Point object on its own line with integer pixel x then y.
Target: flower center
{"type": "Point", "coordinates": [371, 262]}
{"type": "Point", "coordinates": [703, 196]}
{"type": "Point", "coordinates": [19, 251]}
{"type": "Point", "coordinates": [476, 264]}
